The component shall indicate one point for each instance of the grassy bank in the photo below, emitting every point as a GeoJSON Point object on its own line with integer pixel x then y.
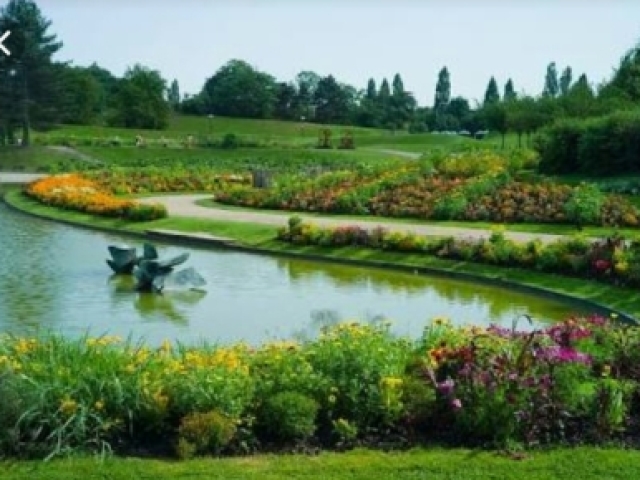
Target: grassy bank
{"type": "Point", "coordinates": [583, 463]}
{"type": "Point", "coordinates": [261, 238]}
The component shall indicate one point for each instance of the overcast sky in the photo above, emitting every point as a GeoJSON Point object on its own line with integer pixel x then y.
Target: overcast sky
{"type": "Point", "coordinates": [352, 39]}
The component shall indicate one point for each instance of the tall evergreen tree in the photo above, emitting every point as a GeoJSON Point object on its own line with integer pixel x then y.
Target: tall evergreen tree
{"type": "Point", "coordinates": [372, 91]}
{"type": "Point", "coordinates": [491, 94]}
{"type": "Point", "coordinates": [509, 92]}
{"type": "Point", "coordinates": [551, 86]}
{"type": "Point", "coordinates": [29, 69]}
{"type": "Point", "coordinates": [398, 86]}
{"type": "Point", "coordinates": [385, 92]}
{"type": "Point", "coordinates": [565, 81]}
{"type": "Point", "coordinates": [443, 91]}
{"type": "Point", "coordinates": [173, 95]}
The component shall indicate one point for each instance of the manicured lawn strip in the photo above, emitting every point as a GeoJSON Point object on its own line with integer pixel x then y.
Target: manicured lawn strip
{"type": "Point", "coordinates": [450, 464]}
{"type": "Point", "coordinates": [512, 227]}
{"type": "Point", "coordinates": [260, 238]}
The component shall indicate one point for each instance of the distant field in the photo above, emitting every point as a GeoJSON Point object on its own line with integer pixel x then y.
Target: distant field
{"type": "Point", "coordinates": [129, 155]}
{"type": "Point", "coordinates": [266, 133]}
{"type": "Point", "coordinates": [181, 126]}
{"type": "Point", "coordinates": [34, 159]}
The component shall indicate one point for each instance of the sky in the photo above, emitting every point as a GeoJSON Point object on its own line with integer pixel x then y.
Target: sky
{"type": "Point", "coordinates": [353, 40]}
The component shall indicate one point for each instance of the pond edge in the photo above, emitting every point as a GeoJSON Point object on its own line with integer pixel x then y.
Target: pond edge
{"type": "Point", "coordinates": [206, 241]}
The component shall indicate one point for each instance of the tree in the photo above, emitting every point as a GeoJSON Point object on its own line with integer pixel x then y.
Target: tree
{"type": "Point", "coordinates": [492, 95]}
{"type": "Point", "coordinates": [239, 90]}
{"type": "Point", "coordinates": [372, 92]}
{"type": "Point", "coordinates": [27, 73]}
{"type": "Point", "coordinates": [509, 91]}
{"type": "Point", "coordinates": [141, 100]}
{"type": "Point", "coordinates": [459, 109]}
{"type": "Point", "coordinates": [565, 81]}
{"type": "Point", "coordinates": [402, 104]}
{"type": "Point", "coordinates": [306, 83]}
{"type": "Point", "coordinates": [443, 91]}
{"type": "Point", "coordinates": [286, 107]}
{"type": "Point", "coordinates": [551, 86]}
{"type": "Point", "coordinates": [81, 96]}
{"type": "Point", "coordinates": [495, 116]}
{"type": "Point", "coordinates": [625, 83]}
{"type": "Point", "coordinates": [332, 101]}
{"type": "Point", "coordinates": [173, 95]}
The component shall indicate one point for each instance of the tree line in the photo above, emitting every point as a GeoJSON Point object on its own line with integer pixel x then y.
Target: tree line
{"type": "Point", "coordinates": [36, 91]}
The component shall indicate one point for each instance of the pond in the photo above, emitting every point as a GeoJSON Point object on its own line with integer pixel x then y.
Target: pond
{"type": "Point", "coordinates": [54, 278]}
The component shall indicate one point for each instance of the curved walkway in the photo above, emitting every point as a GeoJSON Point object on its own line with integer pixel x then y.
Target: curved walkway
{"type": "Point", "coordinates": [14, 177]}
{"type": "Point", "coordinates": [185, 206]}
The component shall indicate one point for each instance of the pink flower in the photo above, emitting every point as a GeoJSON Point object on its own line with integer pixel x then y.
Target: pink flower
{"type": "Point", "coordinates": [456, 404]}
{"type": "Point", "coordinates": [446, 387]}
{"type": "Point", "coordinates": [558, 354]}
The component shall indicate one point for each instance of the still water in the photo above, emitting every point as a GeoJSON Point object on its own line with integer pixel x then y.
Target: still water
{"type": "Point", "coordinates": [54, 278]}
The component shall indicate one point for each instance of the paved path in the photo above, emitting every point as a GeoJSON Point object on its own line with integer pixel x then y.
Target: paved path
{"type": "Point", "coordinates": [72, 152]}
{"type": "Point", "coordinates": [185, 206]}
{"type": "Point", "coordinates": [13, 177]}
{"type": "Point", "coordinates": [398, 153]}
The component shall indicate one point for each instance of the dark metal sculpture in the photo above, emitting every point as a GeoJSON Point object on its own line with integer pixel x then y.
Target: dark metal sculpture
{"type": "Point", "coordinates": [124, 258]}
{"type": "Point", "coordinates": [152, 274]}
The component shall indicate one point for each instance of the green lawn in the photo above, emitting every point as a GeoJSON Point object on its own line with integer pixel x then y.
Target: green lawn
{"type": "Point", "coordinates": [428, 464]}
{"type": "Point", "coordinates": [124, 155]}
{"type": "Point", "coordinates": [33, 159]}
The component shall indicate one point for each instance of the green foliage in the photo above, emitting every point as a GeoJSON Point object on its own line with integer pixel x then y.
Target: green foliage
{"type": "Point", "coordinates": [607, 145]}
{"type": "Point", "coordinates": [288, 416]}
{"type": "Point", "coordinates": [610, 260]}
{"type": "Point", "coordinates": [140, 100]}
{"type": "Point", "coordinates": [585, 205]}
{"type": "Point", "coordinates": [204, 433]}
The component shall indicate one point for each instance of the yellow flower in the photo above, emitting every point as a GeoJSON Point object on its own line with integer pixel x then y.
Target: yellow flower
{"type": "Point", "coordinates": [606, 370]}
{"type": "Point", "coordinates": [68, 406]}
{"type": "Point", "coordinates": [332, 399]}
{"type": "Point", "coordinates": [99, 405]}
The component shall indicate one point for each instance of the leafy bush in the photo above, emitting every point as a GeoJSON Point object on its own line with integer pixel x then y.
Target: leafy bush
{"type": "Point", "coordinates": [606, 145]}
{"type": "Point", "coordinates": [204, 433]}
{"type": "Point", "coordinates": [289, 416]}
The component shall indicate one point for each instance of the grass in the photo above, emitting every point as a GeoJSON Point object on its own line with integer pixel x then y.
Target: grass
{"type": "Point", "coordinates": [33, 159]}
{"type": "Point", "coordinates": [558, 464]}
{"type": "Point", "coordinates": [261, 237]}
{"type": "Point", "coordinates": [122, 155]}
{"type": "Point", "coordinates": [183, 125]}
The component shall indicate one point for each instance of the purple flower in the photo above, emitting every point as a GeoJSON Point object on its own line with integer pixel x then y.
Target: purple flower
{"type": "Point", "coordinates": [557, 354]}
{"type": "Point", "coordinates": [456, 404]}
{"type": "Point", "coordinates": [446, 387]}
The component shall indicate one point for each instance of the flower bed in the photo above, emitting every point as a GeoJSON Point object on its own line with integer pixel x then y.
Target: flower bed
{"type": "Point", "coordinates": [475, 186]}
{"type": "Point", "coordinates": [147, 180]}
{"type": "Point", "coordinates": [611, 260]}
{"type": "Point", "coordinates": [354, 385]}
{"type": "Point", "coordinates": [75, 192]}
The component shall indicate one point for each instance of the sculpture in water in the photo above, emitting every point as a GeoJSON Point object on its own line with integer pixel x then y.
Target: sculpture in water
{"type": "Point", "coordinates": [152, 274]}
{"type": "Point", "coordinates": [124, 258]}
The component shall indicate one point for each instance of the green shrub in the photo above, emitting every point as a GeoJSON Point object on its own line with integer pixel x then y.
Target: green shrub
{"type": "Point", "coordinates": [204, 433]}
{"type": "Point", "coordinates": [289, 416]}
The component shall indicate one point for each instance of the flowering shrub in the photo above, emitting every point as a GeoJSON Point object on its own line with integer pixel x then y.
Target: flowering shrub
{"type": "Point", "coordinates": [610, 260]}
{"type": "Point", "coordinates": [576, 380]}
{"type": "Point", "coordinates": [472, 186]}
{"type": "Point", "coordinates": [75, 192]}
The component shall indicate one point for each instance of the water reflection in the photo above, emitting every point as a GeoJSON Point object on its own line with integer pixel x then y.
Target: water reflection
{"type": "Point", "coordinates": [172, 305]}
{"type": "Point", "coordinates": [54, 277]}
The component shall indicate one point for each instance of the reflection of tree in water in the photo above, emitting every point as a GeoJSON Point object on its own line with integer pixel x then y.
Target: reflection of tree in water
{"type": "Point", "coordinates": [324, 318]}
{"type": "Point", "coordinates": [33, 272]}
{"type": "Point", "coordinates": [498, 302]}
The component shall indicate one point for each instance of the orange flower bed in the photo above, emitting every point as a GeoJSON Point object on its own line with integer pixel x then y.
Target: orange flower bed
{"type": "Point", "coordinates": [75, 192]}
